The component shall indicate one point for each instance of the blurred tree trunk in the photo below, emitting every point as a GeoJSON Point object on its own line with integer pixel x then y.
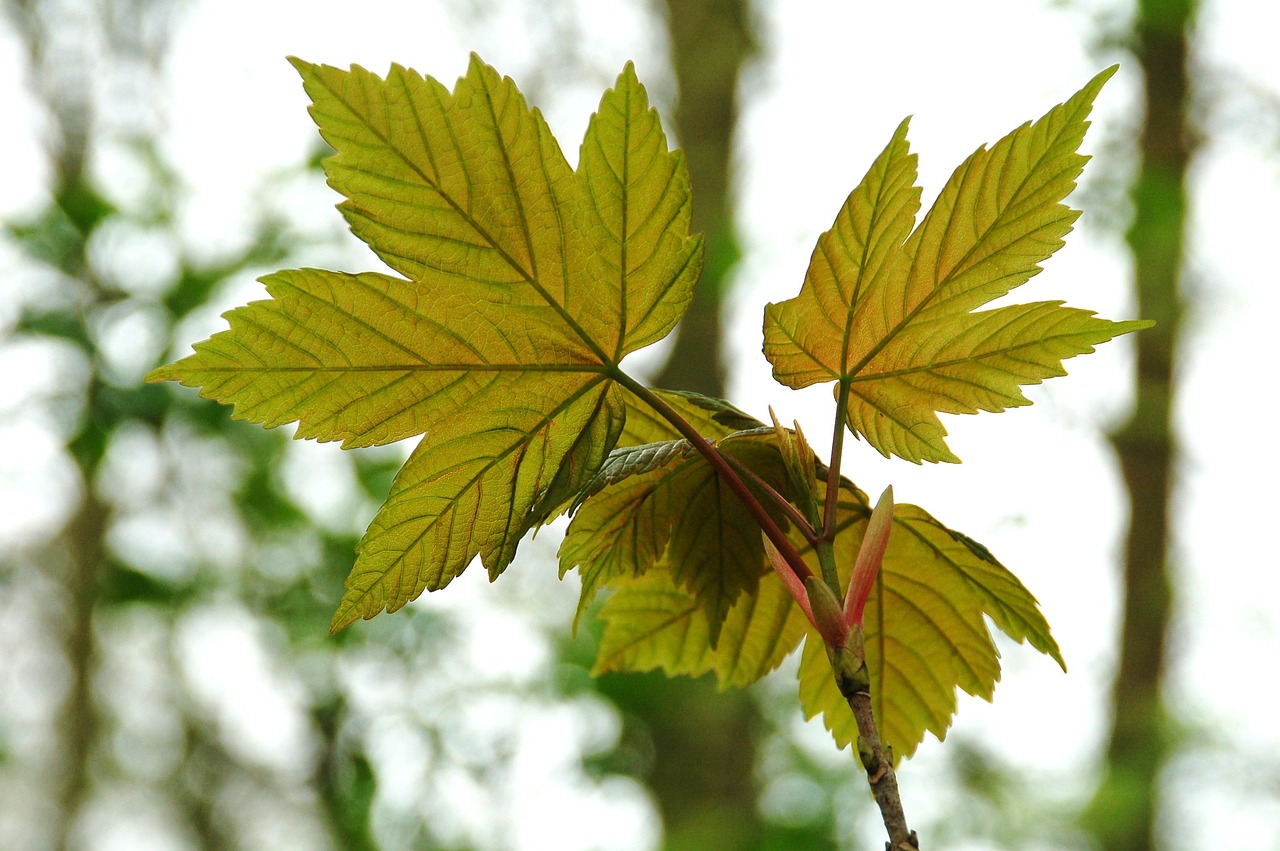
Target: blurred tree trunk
{"type": "Point", "coordinates": [66, 45]}
{"type": "Point", "coordinates": [710, 39]}
{"type": "Point", "coordinates": [74, 563]}
{"type": "Point", "coordinates": [1125, 809]}
{"type": "Point", "coordinates": [704, 742]}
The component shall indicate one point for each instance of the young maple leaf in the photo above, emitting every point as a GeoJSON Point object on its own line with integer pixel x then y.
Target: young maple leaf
{"type": "Point", "coordinates": [887, 312]}
{"type": "Point", "coordinates": [925, 627]}
{"type": "Point", "coordinates": [924, 622]}
{"type": "Point", "coordinates": [656, 502]}
{"type": "Point", "coordinates": [524, 285]}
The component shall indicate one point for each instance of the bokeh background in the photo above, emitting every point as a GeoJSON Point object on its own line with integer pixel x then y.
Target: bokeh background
{"type": "Point", "coordinates": [167, 574]}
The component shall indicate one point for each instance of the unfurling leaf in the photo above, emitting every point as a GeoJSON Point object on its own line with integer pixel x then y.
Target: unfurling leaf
{"type": "Point", "coordinates": [866, 566]}
{"type": "Point", "coordinates": [887, 312]}
{"type": "Point", "coordinates": [524, 284]}
{"type": "Point", "coordinates": [802, 469]}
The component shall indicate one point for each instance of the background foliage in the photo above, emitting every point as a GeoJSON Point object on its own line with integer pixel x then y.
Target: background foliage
{"type": "Point", "coordinates": [161, 655]}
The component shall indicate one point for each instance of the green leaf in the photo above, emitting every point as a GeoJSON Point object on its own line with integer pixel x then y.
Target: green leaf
{"type": "Point", "coordinates": [666, 506]}
{"type": "Point", "coordinates": [925, 629]}
{"type": "Point", "coordinates": [887, 312]}
{"type": "Point", "coordinates": [648, 441]}
{"type": "Point", "coordinates": [524, 285]}
{"type": "Point", "coordinates": [653, 623]}
{"type": "Point", "coordinates": [628, 461]}
{"type": "Point", "coordinates": [713, 418]}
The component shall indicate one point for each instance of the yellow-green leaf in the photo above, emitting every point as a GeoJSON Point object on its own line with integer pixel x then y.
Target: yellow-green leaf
{"type": "Point", "coordinates": [639, 200]}
{"type": "Point", "coordinates": [653, 623]}
{"type": "Point", "coordinates": [524, 284]}
{"type": "Point", "coordinates": [925, 628]}
{"type": "Point", "coordinates": [678, 513]}
{"type": "Point", "coordinates": [887, 312]}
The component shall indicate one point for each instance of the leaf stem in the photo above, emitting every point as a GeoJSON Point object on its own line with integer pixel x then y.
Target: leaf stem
{"type": "Point", "coordinates": [833, 474]}
{"type": "Point", "coordinates": [826, 552]}
{"type": "Point", "coordinates": [878, 762]}
{"type": "Point", "coordinates": [825, 548]}
{"type": "Point", "coordinates": [793, 514]}
{"type": "Point", "coordinates": [723, 469]}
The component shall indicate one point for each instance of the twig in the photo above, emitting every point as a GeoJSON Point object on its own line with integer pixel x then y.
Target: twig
{"type": "Point", "coordinates": [876, 757]}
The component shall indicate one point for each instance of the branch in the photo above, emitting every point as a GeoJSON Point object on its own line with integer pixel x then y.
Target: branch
{"type": "Point", "coordinates": [855, 686]}
{"type": "Point", "coordinates": [796, 518]}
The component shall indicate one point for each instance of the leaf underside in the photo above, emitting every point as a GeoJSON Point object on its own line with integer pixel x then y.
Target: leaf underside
{"type": "Point", "coordinates": [662, 504]}
{"type": "Point", "coordinates": [925, 628]}
{"type": "Point", "coordinates": [887, 310]}
{"type": "Point", "coordinates": [517, 286]}
{"type": "Point", "coordinates": [523, 284]}
{"type": "Point", "coordinates": [925, 631]}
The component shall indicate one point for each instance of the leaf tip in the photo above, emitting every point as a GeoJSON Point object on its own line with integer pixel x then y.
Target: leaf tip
{"type": "Point", "coordinates": [342, 619]}
{"type": "Point", "coordinates": [477, 67]}
{"type": "Point", "coordinates": [306, 70]}
{"type": "Point", "coordinates": [161, 373]}
{"type": "Point", "coordinates": [1086, 95]}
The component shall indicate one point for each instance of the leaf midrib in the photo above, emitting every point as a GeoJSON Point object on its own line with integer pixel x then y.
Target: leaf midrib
{"type": "Point", "coordinates": [414, 367]}
{"type": "Point", "coordinates": [468, 485]}
{"type": "Point", "coordinates": [910, 316]}
{"type": "Point", "coordinates": [878, 212]}
{"type": "Point", "coordinates": [934, 366]}
{"type": "Point", "coordinates": [493, 243]}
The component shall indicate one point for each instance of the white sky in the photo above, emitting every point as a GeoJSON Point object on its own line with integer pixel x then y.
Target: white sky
{"type": "Point", "coordinates": [1038, 486]}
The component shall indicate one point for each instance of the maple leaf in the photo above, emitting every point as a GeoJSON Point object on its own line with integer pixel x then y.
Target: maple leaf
{"type": "Point", "coordinates": [887, 312]}
{"type": "Point", "coordinates": [925, 633]}
{"type": "Point", "coordinates": [524, 284]}
{"type": "Point", "coordinates": [924, 622]}
{"type": "Point", "coordinates": [659, 503]}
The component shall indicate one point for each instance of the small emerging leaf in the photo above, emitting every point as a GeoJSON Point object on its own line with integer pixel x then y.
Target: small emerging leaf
{"type": "Point", "coordinates": [866, 566]}
{"type": "Point", "coordinates": [801, 466]}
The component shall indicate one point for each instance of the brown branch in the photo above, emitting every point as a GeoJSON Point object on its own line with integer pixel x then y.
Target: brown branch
{"type": "Point", "coordinates": [797, 519]}
{"type": "Point", "coordinates": [849, 667]}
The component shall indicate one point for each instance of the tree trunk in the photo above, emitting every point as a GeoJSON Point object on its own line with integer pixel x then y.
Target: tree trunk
{"type": "Point", "coordinates": [1124, 811]}
{"type": "Point", "coordinates": [704, 741]}
{"type": "Point", "coordinates": [710, 39]}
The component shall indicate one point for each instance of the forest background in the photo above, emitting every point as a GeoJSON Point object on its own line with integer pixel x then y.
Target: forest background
{"type": "Point", "coordinates": [167, 575]}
